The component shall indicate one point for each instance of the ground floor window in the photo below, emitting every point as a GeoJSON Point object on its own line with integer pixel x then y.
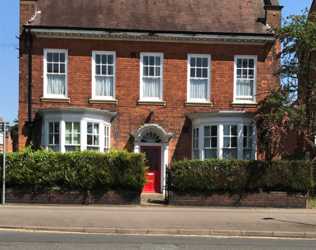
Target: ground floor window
{"type": "Point", "coordinates": [224, 141]}
{"type": "Point", "coordinates": [72, 136]}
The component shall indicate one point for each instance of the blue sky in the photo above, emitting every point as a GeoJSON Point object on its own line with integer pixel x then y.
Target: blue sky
{"type": "Point", "coordinates": [9, 63]}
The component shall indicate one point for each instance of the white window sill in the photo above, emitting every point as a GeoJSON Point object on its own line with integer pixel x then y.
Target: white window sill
{"type": "Point", "coordinates": [244, 104]}
{"type": "Point", "coordinates": [153, 103]}
{"type": "Point", "coordinates": [55, 99]}
{"type": "Point", "coordinates": [198, 104]}
{"type": "Point", "coordinates": [105, 101]}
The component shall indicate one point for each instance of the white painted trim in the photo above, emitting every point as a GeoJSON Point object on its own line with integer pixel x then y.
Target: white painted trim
{"type": "Point", "coordinates": [161, 55]}
{"type": "Point", "coordinates": [254, 97]}
{"type": "Point", "coordinates": [94, 96]}
{"type": "Point", "coordinates": [208, 98]}
{"type": "Point", "coordinates": [157, 37]}
{"type": "Point", "coordinates": [45, 95]}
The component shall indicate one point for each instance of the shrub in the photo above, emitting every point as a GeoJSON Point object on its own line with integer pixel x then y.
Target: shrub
{"type": "Point", "coordinates": [43, 170]}
{"type": "Point", "coordinates": [240, 175]}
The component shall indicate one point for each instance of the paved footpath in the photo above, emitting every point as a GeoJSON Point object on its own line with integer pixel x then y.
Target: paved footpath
{"type": "Point", "coordinates": [300, 223]}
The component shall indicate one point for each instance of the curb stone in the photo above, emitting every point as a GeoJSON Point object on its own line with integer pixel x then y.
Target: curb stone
{"type": "Point", "coordinates": [175, 232]}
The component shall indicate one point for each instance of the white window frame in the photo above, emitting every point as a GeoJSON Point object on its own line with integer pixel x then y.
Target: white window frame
{"type": "Point", "coordinates": [208, 97]}
{"type": "Point", "coordinates": [107, 136]}
{"type": "Point", "coordinates": [72, 133]}
{"type": "Point", "coordinates": [231, 136]}
{"type": "Point", "coordinates": [209, 137]}
{"type": "Point", "coordinates": [254, 97]}
{"type": "Point", "coordinates": [160, 98]}
{"type": "Point", "coordinates": [54, 133]}
{"type": "Point", "coordinates": [94, 96]}
{"type": "Point", "coordinates": [45, 73]}
{"type": "Point", "coordinates": [195, 141]}
{"type": "Point", "coordinates": [93, 134]}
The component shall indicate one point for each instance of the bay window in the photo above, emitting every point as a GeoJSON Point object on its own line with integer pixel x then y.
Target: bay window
{"type": "Point", "coordinates": [195, 143]}
{"type": "Point", "coordinates": [72, 136]}
{"type": "Point", "coordinates": [210, 142]}
{"type": "Point", "coordinates": [93, 136]}
{"type": "Point", "coordinates": [230, 141]}
{"type": "Point", "coordinates": [53, 138]}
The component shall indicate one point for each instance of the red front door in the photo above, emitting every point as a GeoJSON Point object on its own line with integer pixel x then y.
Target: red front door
{"type": "Point", "coordinates": [153, 161]}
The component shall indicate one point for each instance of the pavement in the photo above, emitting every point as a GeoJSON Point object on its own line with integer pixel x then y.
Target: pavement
{"type": "Point", "coordinates": [161, 220]}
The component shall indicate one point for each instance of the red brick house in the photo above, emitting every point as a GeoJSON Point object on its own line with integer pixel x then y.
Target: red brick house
{"type": "Point", "coordinates": [170, 78]}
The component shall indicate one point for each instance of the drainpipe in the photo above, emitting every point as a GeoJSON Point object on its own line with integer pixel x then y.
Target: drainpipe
{"type": "Point", "coordinates": [30, 75]}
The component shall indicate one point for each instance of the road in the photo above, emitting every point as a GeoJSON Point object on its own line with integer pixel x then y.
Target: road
{"type": "Point", "coordinates": [56, 241]}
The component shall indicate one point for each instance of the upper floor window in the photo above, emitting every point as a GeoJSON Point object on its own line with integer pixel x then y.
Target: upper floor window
{"type": "Point", "coordinates": [55, 73]}
{"type": "Point", "coordinates": [199, 67]}
{"type": "Point", "coordinates": [245, 78]}
{"type": "Point", "coordinates": [151, 76]}
{"type": "Point", "coordinates": [103, 75]}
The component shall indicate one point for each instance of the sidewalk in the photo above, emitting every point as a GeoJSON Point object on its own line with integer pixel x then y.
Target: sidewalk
{"type": "Point", "coordinates": [300, 223]}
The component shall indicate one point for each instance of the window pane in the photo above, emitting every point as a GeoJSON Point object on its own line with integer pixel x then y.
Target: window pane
{"type": "Point", "coordinates": [76, 127]}
{"type": "Point", "coordinates": [62, 68]}
{"type": "Point", "coordinates": [192, 74]}
{"type": "Point", "coordinates": [251, 63]}
{"type": "Point", "coordinates": [56, 68]}
{"type": "Point", "coordinates": [192, 63]}
{"type": "Point", "coordinates": [152, 60]}
{"type": "Point", "coordinates": [57, 139]}
{"type": "Point", "coordinates": [145, 60]}
{"type": "Point", "coordinates": [234, 130]}
{"type": "Point", "coordinates": [210, 154]}
{"type": "Point", "coordinates": [96, 129]}
{"type": "Point", "coordinates": [104, 71]}
{"type": "Point", "coordinates": [196, 154]}
{"type": "Point", "coordinates": [230, 153]}
{"type": "Point", "coordinates": [226, 130]}
{"type": "Point", "coordinates": [98, 70]}
{"type": "Point", "coordinates": [76, 138]}
{"type": "Point", "coordinates": [238, 63]}
{"type": "Point", "coordinates": [199, 62]}
{"type": "Point", "coordinates": [145, 71]}
{"type": "Point", "coordinates": [152, 71]}
{"type": "Point", "coordinates": [207, 131]}
{"type": "Point", "coordinates": [97, 59]}
{"type": "Point", "coordinates": [56, 57]}
{"type": "Point", "coordinates": [110, 58]}
{"type": "Point", "coordinates": [245, 63]}
{"type": "Point", "coordinates": [49, 68]}
{"type": "Point", "coordinates": [234, 142]}
{"type": "Point", "coordinates": [207, 143]}
{"type": "Point", "coordinates": [62, 57]}
{"type": "Point", "coordinates": [205, 64]}
{"type": "Point", "coordinates": [89, 140]}
{"type": "Point", "coordinates": [49, 57]}
{"type": "Point", "coordinates": [70, 148]}
{"type": "Point", "coordinates": [214, 142]}
{"type": "Point", "coordinates": [104, 59]}
{"type": "Point", "coordinates": [226, 142]}
{"type": "Point", "coordinates": [245, 142]}
{"type": "Point", "coordinates": [197, 133]}
{"type": "Point", "coordinates": [51, 139]}
{"type": "Point", "coordinates": [157, 60]}
{"type": "Point", "coordinates": [197, 143]}
{"type": "Point", "coordinates": [238, 73]}
{"type": "Point", "coordinates": [249, 142]}
{"type": "Point", "coordinates": [157, 71]}
{"type": "Point", "coordinates": [244, 73]}
{"type": "Point", "coordinates": [56, 127]}
{"type": "Point", "coordinates": [198, 72]}
{"type": "Point", "coordinates": [214, 131]}
{"type": "Point", "coordinates": [68, 126]}
{"type": "Point", "coordinates": [245, 130]}
{"type": "Point", "coordinates": [68, 138]}
{"type": "Point", "coordinates": [110, 69]}
{"type": "Point", "coordinates": [251, 73]}
{"type": "Point", "coordinates": [204, 73]}
{"type": "Point", "coordinates": [51, 127]}
{"type": "Point", "coordinates": [89, 128]}
{"type": "Point", "coordinates": [247, 154]}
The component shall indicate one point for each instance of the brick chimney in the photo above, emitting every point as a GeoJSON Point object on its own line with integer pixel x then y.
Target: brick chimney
{"type": "Point", "coordinates": [273, 13]}
{"type": "Point", "coordinates": [27, 10]}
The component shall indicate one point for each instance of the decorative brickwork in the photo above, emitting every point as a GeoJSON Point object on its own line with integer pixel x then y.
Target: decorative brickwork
{"type": "Point", "coordinates": [247, 199]}
{"type": "Point", "coordinates": [76, 197]}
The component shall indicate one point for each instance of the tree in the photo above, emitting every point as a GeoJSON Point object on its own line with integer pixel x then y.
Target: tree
{"type": "Point", "coordinates": [293, 104]}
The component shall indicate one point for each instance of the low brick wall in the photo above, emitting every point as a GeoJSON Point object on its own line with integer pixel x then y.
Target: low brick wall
{"type": "Point", "coordinates": [246, 199]}
{"type": "Point", "coordinates": [76, 197]}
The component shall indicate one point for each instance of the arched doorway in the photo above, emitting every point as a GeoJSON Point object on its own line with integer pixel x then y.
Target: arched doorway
{"type": "Point", "coordinates": [153, 140]}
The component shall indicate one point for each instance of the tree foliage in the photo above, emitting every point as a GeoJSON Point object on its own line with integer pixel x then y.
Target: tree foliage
{"type": "Point", "coordinates": [293, 105]}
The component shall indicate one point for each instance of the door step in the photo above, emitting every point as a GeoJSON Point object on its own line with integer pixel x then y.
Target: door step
{"type": "Point", "coordinates": [152, 199]}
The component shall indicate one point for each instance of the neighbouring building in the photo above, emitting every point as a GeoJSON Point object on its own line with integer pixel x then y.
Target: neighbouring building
{"type": "Point", "coordinates": [171, 78]}
{"type": "Point", "coordinates": [9, 147]}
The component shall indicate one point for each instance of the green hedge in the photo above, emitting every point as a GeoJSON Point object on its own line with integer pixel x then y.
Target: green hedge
{"type": "Point", "coordinates": [240, 175]}
{"type": "Point", "coordinates": [44, 170]}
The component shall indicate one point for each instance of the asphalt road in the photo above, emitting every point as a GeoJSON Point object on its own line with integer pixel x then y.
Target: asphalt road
{"type": "Point", "coordinates": [55, 241]}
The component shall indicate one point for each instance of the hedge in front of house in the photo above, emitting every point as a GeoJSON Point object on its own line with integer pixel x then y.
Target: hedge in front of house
{"type": "Point", "coordinates": [240, 175]}
{"type": "Point", "coordinates": [43, 170]}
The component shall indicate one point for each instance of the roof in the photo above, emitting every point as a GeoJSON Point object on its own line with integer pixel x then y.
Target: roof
{"type": "Point", "coordinates": [211, 16]}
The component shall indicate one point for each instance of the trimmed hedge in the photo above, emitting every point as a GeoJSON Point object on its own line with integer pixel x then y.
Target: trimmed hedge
{"type": "Point", "coordinates": [240, 175]}
{"type": "Point", "coordinates": [43, 170]}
